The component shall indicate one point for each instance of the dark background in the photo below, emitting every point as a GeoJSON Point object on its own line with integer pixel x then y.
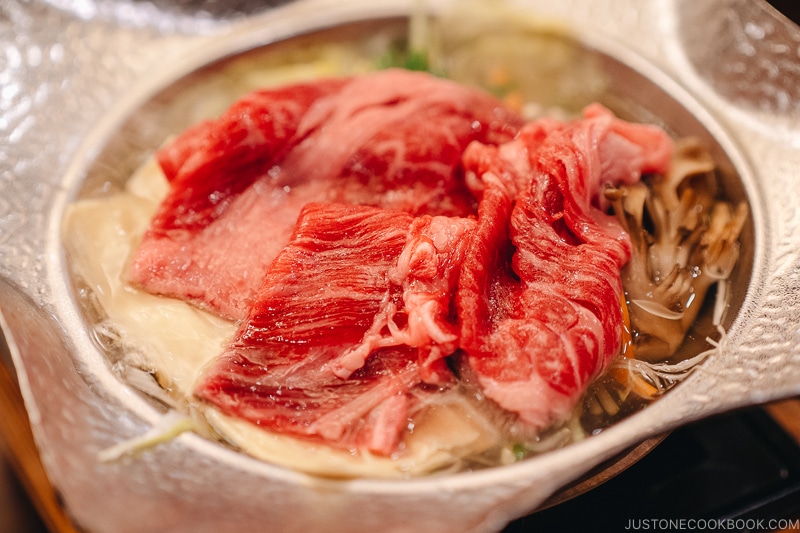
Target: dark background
{"type": "Point", "coordinates": [790, 8]}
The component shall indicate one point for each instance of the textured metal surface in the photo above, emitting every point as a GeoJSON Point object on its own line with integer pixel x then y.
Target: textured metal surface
{"type": "Point", "coordinates": [68, 70]}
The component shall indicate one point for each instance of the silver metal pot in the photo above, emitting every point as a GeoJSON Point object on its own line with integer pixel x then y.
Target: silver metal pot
{"type": "Point", "coordinates": [80, 77]}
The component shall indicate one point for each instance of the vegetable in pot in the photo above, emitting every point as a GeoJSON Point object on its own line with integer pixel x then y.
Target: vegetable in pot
{"type": "Point", "coordinates": [684, 241]}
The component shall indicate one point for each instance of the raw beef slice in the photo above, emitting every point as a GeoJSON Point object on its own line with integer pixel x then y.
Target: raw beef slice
{"type": "Point", "coordinates": [538, 328]}
{"type": "Point", "coordinates": [324, 353]}
{"type": "Point", "coordinates": [392, 139]}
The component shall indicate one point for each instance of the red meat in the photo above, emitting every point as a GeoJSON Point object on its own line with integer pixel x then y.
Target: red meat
{"type": "Point", "coordinates": [392, 139]}
{"type": "Point", "coordinates": [366, 230]}
{"type": "Point", "coordinates": [540, 326]}
{"type": "Point", "coordinates": [324, 353]}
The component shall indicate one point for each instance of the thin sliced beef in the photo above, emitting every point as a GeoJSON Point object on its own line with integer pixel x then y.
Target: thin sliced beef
{"type": "Point", "coordinates": [539, 327]}
{"type": "Point", "coordinates": [323, 353]}
{"type": "Point", "coordinates": [425, 274]}
{"type": "Point", "coordinates": [211, 163]}
{"type": "Point", "coordinates": [392, 139]}
{"type": "Point", "coordinates": [366, 230]}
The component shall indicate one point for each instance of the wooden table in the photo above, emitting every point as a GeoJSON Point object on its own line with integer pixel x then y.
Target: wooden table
{"type": "Point", "coordinates": [20, 454]}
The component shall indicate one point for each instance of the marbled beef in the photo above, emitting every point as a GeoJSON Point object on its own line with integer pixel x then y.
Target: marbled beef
{"type": "Point", "coordinates": [539, 325]}
{"type": "Point", "coordinates": [324, 353]}
{"type": "Point", "coordinates": [367, 231]}
{"type": "Point", "coordinates": [392, 139]}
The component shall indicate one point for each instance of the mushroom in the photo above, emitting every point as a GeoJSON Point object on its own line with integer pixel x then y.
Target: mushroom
{"type": "Point", "coordinates": [684, 240]}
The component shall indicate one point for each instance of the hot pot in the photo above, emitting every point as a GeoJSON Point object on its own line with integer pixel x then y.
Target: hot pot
{"type": "Point", "coordinates": [82, 83]}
